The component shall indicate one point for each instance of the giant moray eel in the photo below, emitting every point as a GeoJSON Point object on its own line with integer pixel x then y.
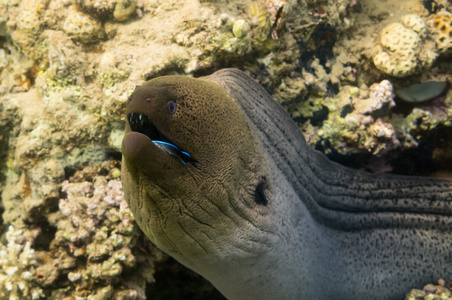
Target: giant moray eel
{"type": "Point", "coordinates": [259, 213]}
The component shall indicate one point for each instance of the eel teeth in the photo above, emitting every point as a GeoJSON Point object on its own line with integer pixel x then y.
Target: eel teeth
{"type": "Point", "coordinates": [143, 124]}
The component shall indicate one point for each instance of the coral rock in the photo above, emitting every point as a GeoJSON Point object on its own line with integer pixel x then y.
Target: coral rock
{"type": "Point", "coordinates": [82, 27]}
{"type": "Point", "coordinates": [29, 23]}
{"type": "Point", "coordinates": [122, 12]}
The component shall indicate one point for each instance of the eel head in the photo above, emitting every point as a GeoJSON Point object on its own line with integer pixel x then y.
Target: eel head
{"type": "Point", "coordinates": [193, 173]}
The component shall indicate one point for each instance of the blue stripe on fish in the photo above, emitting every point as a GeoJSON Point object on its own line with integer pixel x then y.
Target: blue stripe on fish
{"type": "Point", "coordinates": [173, 150]}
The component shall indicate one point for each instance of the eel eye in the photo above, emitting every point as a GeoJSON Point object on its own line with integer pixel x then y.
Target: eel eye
{"type": "Point", "coordinates": [171, 107]}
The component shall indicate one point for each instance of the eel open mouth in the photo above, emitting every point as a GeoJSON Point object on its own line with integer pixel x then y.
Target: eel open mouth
{"type": "Point", "coordinates": [143, 124]}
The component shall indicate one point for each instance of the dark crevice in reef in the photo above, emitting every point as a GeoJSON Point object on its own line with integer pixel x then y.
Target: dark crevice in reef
{"type": "Point", "coordinates": [113, 154]}
{"type": "Point", "coordinates": [349, 160]}
{"type": "Point", "coordinates": [429, 158]}
{"type": "Point", "coordinates": [317, 119]}
{"type": "Point", "coordinates": [1, 214]}
{"type": "Point", "coordinates": [45, 237]}
{"type": "Point", "coordinates": [324, 37]}
{"type": "Point", "coordinates": [176, 282]}
{"type": "Point", "coordinates": [69, 172]}
{"type": "Point", "coordinates": [36, 219]}
{"type": "Point", "coordinates": [7, 123]}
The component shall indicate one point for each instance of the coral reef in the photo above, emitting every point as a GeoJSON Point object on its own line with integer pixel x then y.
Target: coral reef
{"type": "Point", "coordinates": [18, 262]}
{"type": "Point", "coordinates": [29, 23]}
{"type": "Point", "coordinates": [94, 238]}
{"type": "Point", "coordinates": [441, 25]}
{"type": "Point", "coordinates": [401, 48]}
{"type": "Point", "coordinates": [241, 40]}
{"type": "Point", "coordinates": [359, 123]}
{"type": "Point", "coordinates": [431, 292]}
{"type": "Point", "coordinates": [93, 246]}
{"type": "Point", "coordinates": [261, 25]}
{"type": "Point", "coordinates": [82, 27]}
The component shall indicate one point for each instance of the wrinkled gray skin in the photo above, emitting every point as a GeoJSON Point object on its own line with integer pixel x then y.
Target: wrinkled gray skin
{"type": "Point", "coordinates": [326, 232]}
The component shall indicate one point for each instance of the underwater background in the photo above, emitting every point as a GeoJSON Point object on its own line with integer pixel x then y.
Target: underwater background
{"type": "Point", "coordinates": [368, 83]}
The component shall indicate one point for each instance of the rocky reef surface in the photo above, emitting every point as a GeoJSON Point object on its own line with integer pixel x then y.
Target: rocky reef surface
{"type": "Point", "coordinates": [67, 68]}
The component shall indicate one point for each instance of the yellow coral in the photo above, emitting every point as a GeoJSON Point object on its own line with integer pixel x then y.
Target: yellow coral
{"type": "Point", "coordinates": [441, 25]}
{"type": "Point", "coordinates": [122, 12]}
{"type": "Point", "coordinates": [259, 15]}
{"type": "Point", "coordinates": [415, 23]}
{"type": "Point", "coordinates": [398, 56]}
{"type": "Point", "coordinates": [260, 33]}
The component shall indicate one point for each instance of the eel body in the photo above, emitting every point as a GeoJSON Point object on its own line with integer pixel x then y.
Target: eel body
{"type": "Point", "coordinates": [262, 215]}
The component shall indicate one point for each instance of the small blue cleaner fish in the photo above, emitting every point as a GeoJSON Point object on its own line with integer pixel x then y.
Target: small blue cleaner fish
{"type": "Point", "coordinates": [174, 151]}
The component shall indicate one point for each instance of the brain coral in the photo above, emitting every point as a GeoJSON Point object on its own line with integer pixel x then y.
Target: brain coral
{"type": "Point", "coordinates": [415, 23]}
{"type": "Point", "coordinates": [401, 49]}
{"type": "Point", "coordinates": [441, 26]}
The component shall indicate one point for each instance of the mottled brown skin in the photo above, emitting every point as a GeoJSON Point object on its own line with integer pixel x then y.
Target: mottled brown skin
{"type": "Point", "coordinates": [323, 232]}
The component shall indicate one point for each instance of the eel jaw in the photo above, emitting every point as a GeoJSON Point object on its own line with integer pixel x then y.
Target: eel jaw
{"type": "Point", "coordinates": [143, 124]}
